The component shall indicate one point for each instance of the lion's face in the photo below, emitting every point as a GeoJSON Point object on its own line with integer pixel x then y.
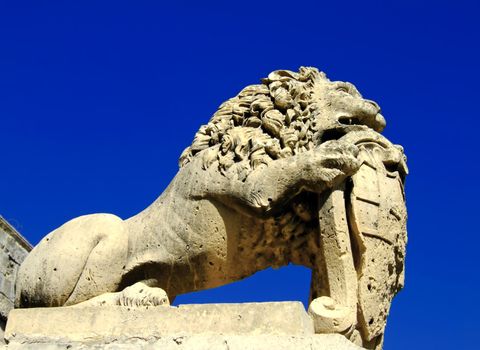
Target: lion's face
{"type": "Point", "coordinates": [341, 109]}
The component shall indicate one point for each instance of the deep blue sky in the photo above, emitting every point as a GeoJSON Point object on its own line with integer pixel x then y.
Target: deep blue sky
{"type": "Point", "coordinates": [98, 99]}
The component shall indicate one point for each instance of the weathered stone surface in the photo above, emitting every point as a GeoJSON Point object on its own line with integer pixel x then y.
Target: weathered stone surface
{"type": "Point", "coordinates": [290, 170]}
{"type": "Point", "coordinates": [278, 325]}
{"type": "Point", "coordinates": [2, 332]}
{"type": "Point", "coordinates": [13, 250]}
{"type": "Point", "coordinates": [205, 342]}
{"type": "Point", "coordinates": [113, 322]}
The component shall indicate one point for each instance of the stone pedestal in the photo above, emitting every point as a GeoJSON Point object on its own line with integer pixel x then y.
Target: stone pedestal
{"type": "Point", "coordinates": [258, 326]}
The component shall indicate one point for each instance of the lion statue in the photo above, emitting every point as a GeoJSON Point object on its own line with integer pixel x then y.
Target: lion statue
{"type": "Point", "coordinates": [263, 184]}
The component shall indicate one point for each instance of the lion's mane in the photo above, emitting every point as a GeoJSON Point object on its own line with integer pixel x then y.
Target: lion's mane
{"type": "Point", "coordinates": [262, 123]}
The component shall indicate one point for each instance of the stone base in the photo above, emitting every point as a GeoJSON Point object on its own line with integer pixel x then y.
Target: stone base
{"type": "Point", "coordinates": [205, 342]}
{"type": "Point", "coordinates": [258, 326]}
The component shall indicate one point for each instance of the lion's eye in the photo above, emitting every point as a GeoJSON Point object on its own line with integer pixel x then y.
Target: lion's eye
{"type": "Point", "coordinates": [343, 89]}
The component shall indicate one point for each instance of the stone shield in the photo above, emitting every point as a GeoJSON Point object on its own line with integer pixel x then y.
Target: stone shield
{"type": "Point", "coordinates": [377, 220]}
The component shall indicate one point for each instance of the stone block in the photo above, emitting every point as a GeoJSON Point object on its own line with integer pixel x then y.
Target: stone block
{"type": "Point", "coordinates": [108, 322]}
{"type": "Point", "coordinates": [5, 306]}
{"type": "Point", "coordinates": [7, 287]}
{"type": "Point", "coordinates": [257, 326]}
{"type": "Point", "coordinates": [13, 250]}
{"type": "Point", "coordinates": [205, 342]}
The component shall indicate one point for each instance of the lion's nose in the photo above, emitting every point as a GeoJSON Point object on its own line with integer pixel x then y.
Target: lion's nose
{"type": "Point", "coordinates": [379, 122]}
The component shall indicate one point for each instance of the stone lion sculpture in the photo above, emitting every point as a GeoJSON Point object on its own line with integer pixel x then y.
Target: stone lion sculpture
{"type": "Point", "coordinates": [287, 171]}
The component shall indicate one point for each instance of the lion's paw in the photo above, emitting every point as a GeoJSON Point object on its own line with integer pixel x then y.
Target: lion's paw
{"type": "Point", "coordinates": [140, 294]}
{"type": "Point", "coordinates": [329, 164]}
{"type": "Point", "coordinates": [136, 295]}
{"type": "Point", "coordinates": [339, 155]}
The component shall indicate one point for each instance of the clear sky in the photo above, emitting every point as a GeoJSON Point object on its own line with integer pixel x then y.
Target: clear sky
{"type": "Point", "coordinates": [98, 100]}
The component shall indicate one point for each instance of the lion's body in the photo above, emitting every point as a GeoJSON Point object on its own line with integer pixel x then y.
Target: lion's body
{"type": "Point", "coordinates": [203, 240]}
{"type": "Point", "coordinates": [245, 198]}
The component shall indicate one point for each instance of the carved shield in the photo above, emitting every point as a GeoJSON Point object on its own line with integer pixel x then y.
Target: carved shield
{"type": "Point", "coordinates": [377, 219]}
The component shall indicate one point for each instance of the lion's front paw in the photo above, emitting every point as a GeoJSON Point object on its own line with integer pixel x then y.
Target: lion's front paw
{"type": "Point", "coordinates": [136, 295]}
{"type": "Point", "coordinates": [339, 155]}
{"type": "Point", "coordinates": [331, 163]}
{"type": "Point", "coordinates": [140, 294]}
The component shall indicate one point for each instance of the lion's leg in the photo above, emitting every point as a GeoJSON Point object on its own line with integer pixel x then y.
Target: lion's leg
{"type": "Point", "coordinates": [104, 266]}
{"type": "Point", "coordinates": [78, 261]}
{"type": "Point", "coordinates": [267, 189]}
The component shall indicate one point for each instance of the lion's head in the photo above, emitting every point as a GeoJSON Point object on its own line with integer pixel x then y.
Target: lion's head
{"type": "Point", "coordinates": [288, 113]}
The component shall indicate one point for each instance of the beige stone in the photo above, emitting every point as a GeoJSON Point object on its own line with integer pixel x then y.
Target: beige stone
{"type": "Point", "coordinates": [136, 295]}
{"type": "Point", "coordinates": [110, 322]}
{"type": "Point", "coordinates": [13, 250]}
{"type": "Point", "coordinates": [2, 332]}
{"type": "Point", "coordinates": [205, 342]}
{"type": "Point", "coordinates": [290, 170]}
{"type": "Point", "coordinates": [278, 325]}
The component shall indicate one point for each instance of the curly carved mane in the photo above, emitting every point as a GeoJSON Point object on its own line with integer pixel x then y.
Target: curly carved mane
{"type": "Point", "coordinates": [262, 123]}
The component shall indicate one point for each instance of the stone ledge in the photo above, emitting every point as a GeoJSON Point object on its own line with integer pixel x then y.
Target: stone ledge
{"type": "Point", "coordinates": [115, 322]}
{"type": "Point", "coordinates": [205, 342]}
{"type": "Point", "coordinates": [257, 326]}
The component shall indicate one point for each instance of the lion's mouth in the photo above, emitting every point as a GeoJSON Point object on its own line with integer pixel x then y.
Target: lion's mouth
{"type": "Point", "coordinates": [375, 122]}
{"type": "Point", "coordinates": [350, 121]}
{"type": "Point", "coordinates": [348, 124]}
{"type": "Point", "coordinates": [339, 131]}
